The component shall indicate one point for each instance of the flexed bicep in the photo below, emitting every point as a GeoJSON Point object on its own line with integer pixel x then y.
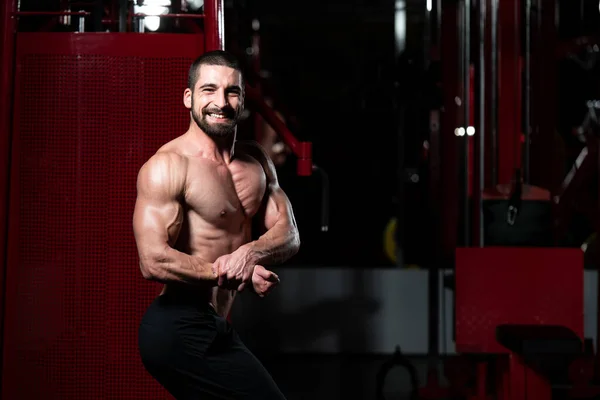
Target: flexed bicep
{"type": "Point", "coordinates": [276, 205]}
{"type": "Point", "coordinates": [278, 209]}
{"type": "Point", "coordinates": [279, 237]}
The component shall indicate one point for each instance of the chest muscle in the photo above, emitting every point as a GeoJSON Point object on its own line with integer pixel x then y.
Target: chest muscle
{"type": "Point", "coordinates": [221, 195]}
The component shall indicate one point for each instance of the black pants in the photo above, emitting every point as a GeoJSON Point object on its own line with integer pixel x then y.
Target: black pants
{"type": "Point", "coordinates": [195, 354]}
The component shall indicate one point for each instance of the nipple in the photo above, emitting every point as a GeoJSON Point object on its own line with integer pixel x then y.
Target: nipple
{"type": "Point", "coordinates": [223, 212]}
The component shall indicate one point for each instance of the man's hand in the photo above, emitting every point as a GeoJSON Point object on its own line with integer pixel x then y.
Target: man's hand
{"type": "Point", "coordinates": [263, 280]}
{"type": "Point", "coordinates": [235, 270]}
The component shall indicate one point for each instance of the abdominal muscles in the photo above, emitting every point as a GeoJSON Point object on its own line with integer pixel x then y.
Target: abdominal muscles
{"type": "Point", "coordinates": [209, 242]}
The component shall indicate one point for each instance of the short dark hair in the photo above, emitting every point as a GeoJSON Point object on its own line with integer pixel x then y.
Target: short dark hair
{"type": "Point", "coordinates": [216, 57]}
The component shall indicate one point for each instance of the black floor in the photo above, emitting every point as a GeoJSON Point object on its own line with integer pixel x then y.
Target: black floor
{"type": "Point", "coordinates": [331, 377]}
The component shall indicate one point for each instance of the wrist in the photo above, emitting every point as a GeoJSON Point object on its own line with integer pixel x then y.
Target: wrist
{"type": "Point", "coordinates": [205, 271]}
{"type": "Point", "coordinates": [254, 256]}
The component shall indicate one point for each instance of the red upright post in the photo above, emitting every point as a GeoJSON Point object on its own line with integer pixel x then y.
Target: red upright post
{"type": "Point", "coordinates": [214, 25]}
{"type": "Point", "coordinates": [490, 115]}
{"type": "Point", "coordinates": [546, 162]}
{"type": "Point", "coordinates": [509, 90]}
{"type": "Point", "coordinates": [6, 86]}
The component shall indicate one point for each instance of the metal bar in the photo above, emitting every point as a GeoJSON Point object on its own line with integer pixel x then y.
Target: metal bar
{"type": "Point", "coordinates": [546, 167]}
{"type": "Point", "coordinates": [494, 93]}
{"type": "Point", "coordinates": [480, 134]}
{"type": "Point", "coordinates": [302, 150]}
{"type": "Point", "coordinates": [534, 80]}
{"type": "Point", "coordinates": [509, 94]}
{"type": "Point", "coordinates": [324, 198]}
{"type": "Point", "coordinates": [465, 160]}
{"type": "Point", "coordinates": [123, 15]}
{"type": "Point", "coordinates": [517, 91]}
{"type": "Point", "coordinates": [527, 94]}
{"type": "Point", "coordinates": [139, 17]}
{"type": "Point", "coordinates": [220, 13]}
{"type": "Point", "coordinates": [188, 16]}
{"type": "Point", "coordinates": [438, 23]}
{"type": "Point", "coordinates": [49, 13]}
{"type": "Point", "coordinates": [9, 28]}
{"type": "Point", "coordinates": [214, 25]}
{"type": "Point", "coordinates": [433, 267]}
{"type": "Point", "coordinates": [192, 28]}
{"type": "Point", "coordinates": [254, 98]}
{"type": "Point", "coordinates": [81, 24]}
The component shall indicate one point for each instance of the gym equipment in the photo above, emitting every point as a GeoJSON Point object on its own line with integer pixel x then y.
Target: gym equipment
{"type": "Point", "coordinates": [506, 303]}
{"type": "Point", "coordinates": [518, 215]}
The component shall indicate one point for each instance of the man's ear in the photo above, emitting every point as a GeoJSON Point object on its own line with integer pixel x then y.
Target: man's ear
{"type": "Point", "coordinates": [187, 98]}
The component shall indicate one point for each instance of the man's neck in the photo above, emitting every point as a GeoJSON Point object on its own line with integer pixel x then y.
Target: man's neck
{"type": "Point", "coordinates": [216, 149]}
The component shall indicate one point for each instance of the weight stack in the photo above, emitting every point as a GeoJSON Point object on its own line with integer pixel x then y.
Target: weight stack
{"type": "Point", "coordinates": [522, 217]}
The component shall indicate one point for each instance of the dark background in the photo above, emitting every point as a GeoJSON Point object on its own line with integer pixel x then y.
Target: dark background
{"type": "Point", "coordinates": [337, 71]}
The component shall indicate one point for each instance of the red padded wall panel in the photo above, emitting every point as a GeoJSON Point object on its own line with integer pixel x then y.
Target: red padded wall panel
{"type": "Point", "coordinates": [89, 110]}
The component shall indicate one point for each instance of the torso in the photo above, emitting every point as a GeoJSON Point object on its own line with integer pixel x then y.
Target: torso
{"type": "Point", "coordinates": [218, 205]}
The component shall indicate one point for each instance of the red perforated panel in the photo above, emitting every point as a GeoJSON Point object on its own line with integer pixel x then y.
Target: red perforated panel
{"type": "Point", "coordinates": [515, 286]}
{"type": "Point", "coordinates": [90, 109]}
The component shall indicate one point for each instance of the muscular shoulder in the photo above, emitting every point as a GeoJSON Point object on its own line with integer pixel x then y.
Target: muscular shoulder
{"type": "Point", "coordinates": [250, 148]}
{"type": "Point", "coordinates": [163, 175]}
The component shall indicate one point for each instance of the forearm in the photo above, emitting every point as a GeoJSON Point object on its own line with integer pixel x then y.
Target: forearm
{"type": "Point", "coordinates": [170, 266]}
{"type": "Point", "coordinates": [277, 245]}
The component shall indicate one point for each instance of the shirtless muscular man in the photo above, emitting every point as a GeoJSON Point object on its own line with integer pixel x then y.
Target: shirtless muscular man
{"type": "Point", "coordinates": [209, 214]}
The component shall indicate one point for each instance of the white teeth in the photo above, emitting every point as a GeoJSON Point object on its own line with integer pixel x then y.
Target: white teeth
{"type": "Point", "coordinates": [218, 116]}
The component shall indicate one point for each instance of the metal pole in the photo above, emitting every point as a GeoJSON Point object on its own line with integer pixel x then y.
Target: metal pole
{"type": "Point", "coordinates": [81, 22]}
{"type": "Point", "coordinates": [123, 11]}
{"type": "Point", "coordinates": [214, 25]}
{"type": "Point", "coordinates": [433, 346]}
{"type": "Point", "coordinates": [466, 209]}
{"type": "Point", "coordinates": [527, 94]}
{"type": "Point", "coordinates": [481, 128]}
{"type": "Point", "coordinates": [493, 137]}
{"type": "Point", "coordinates": [438, 23]}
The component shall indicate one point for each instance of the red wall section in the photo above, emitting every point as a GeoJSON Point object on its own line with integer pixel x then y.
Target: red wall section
{"type": "Point", "coordinates": [515, 285]}
{"type": "Point", "coordinates": [89, 110]}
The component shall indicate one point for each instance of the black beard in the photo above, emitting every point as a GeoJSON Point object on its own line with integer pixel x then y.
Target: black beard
{"type": "Point", "coordinates": [220, 130]}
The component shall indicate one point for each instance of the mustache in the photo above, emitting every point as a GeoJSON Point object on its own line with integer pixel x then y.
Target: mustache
{"type": "Point", "coordinates": [228, 112]}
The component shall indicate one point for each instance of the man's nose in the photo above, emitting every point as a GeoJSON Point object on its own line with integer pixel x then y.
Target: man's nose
{"type": "Point", "coordinates": [221, 99]}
